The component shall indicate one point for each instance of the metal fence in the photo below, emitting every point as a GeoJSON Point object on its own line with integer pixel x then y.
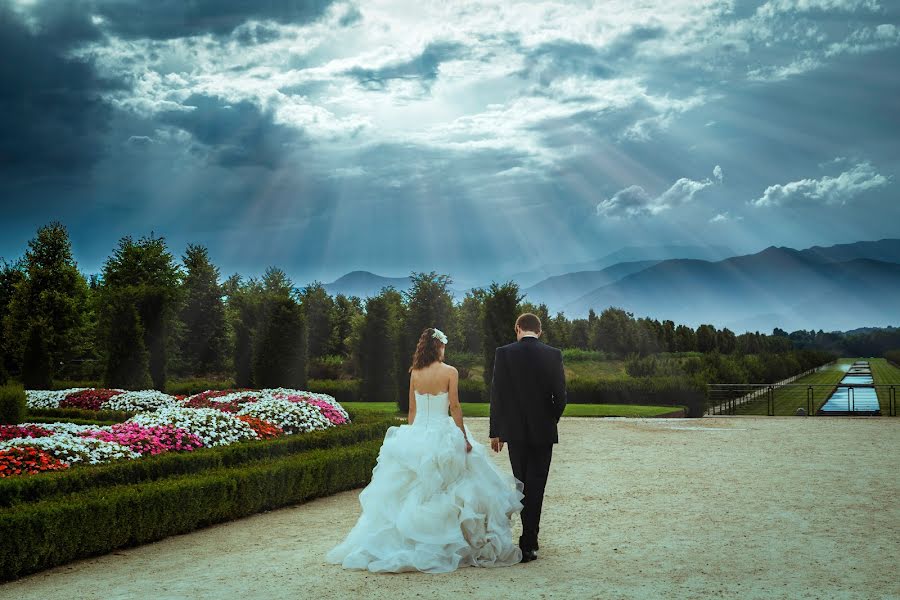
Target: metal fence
{"type": "Point", "coordinates": [787, 398]}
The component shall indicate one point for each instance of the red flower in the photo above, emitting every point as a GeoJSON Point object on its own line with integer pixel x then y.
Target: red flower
{"type": "Point", "coordinates": [88, 399]}
{"type": "Point", "coordinates": [27, 460]}
{"type": "Point", "coordinates": [263, 429]}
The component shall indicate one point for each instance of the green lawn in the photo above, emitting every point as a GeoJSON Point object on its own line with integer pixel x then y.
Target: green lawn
{"type": "Point", "coordinates": [884, 373]}
{"type": "Point", "coordinates": [789, 399]}
{"type": "Point", "coordinates": [480, 409]}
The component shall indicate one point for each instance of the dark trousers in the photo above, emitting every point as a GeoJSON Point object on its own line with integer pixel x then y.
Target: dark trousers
{"type": "Point", "coordinates": [530, 465]}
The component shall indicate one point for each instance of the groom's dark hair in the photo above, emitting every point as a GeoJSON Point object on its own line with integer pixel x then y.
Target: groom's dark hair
{"type": "Point", "coordinates": [529, 322]}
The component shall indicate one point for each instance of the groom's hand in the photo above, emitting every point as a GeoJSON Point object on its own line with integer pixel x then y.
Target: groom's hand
{"type": "Point", "coordinates": [496, 444]}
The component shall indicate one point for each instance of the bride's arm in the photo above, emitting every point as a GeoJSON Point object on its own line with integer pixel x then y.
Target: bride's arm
{"type": "Point", "coordinates": [411, 414]}
{"type": "Point", "coordinates": [455, 408]}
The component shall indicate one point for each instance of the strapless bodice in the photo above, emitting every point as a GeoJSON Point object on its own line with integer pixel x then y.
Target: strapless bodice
{"type": "Point", "coordinates": [431, 408]}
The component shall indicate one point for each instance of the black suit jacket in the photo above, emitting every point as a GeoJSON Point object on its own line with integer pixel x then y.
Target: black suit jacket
{"type": "Point", "coordinates": [528, 392]}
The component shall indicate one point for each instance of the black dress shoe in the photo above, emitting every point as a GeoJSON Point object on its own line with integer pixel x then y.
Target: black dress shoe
{"type": "Point", "coordinates": [528, 555]}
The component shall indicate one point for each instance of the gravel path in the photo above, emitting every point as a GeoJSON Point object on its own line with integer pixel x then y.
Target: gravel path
{"type": "Point", "coordinates": [738, 507]}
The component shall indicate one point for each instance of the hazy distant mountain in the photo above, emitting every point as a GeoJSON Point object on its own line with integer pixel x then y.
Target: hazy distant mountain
{"type": "Point", "coordinates": [562, 289]}
{"type": "Point", "coordinates": [627, 254]}
{"type": "Point", "coordinates": [364, 284]}
{"type": "Point", "coordinates": [887, 250]}
{"type": "Point", "coordinates": [779, 287]}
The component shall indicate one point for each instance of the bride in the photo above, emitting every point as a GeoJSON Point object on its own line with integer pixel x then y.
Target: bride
{"type": "Point", "coordinates": [436, 501]}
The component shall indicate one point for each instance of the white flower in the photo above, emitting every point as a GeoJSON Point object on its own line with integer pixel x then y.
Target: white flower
{"type": "Point", "coordinates": [439, 335]}
{"type": "Point", "coordinates": [69, 428]}
{"type": "Point", "coordinates": [48, 398]}
{"type": "Point", "coordinates": [140, 401]}
{"type": "Point", "coordinates": [74, 449]}
{"type": "Point", "coordinates": [292, 417]}
{"type": "Point", "coordinates": [213, 427]}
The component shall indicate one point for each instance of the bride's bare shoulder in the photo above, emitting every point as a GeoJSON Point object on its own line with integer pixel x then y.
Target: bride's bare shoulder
{"type": "Point", "coordinates": [451, 369]}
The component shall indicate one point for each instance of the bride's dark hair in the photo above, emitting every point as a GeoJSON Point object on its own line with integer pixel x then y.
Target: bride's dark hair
{"type": "Point", "coordinates": [428, 350]}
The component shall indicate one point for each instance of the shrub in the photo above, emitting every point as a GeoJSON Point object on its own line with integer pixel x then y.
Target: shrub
{"type": "Point", "coordinates": [12, 404]}
{"type": "Point", "coordinates": [188, 387]}
{"type": "Point", "coordinates": [128, 360]}
{"type": "Point", "coordinates": [326, 367]}
{"type": "Point", "coordinates": [660, 391]}
{"type": "Point", "coordinates": [45, 534]}
{"type": "Point", "coordinates": [32, 489]}
{"type": "Point", "coordinates": [69, 414]}
{"type": "Point", "coordinates": [473, 390]}
{"type": "Point", "coordinates": [343, 390]}
{"type": "Point", "coordinates": [893, 356]}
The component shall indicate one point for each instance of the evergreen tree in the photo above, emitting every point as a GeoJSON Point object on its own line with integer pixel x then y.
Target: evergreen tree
{"type": "Point", "coordinates": [148, 273]}
{"type": "Point", "coordinates": [469, 316]}
{"type": "Point", "coordinates": [203, 345]}
{"type": "Point", "coordinates": [580, 335]}
{"type": "Point", "coordinates": [345, 312]}
{"type": "Point", "coordinates": [499, 320]}
{"type": "Point", "coordinates": [127, 358]}
{"type": "Point", "coordinates": [37, 363]}
{"type": "Point", "coordinates": [376, 352]}
{"type": "Point", "coordinates": [318, 309]}
{"type": "Point", "coordinates": [706, 338]}
{"type": "Point", "coordinates": [51, 290]}
{"type": "Point", "coordinates": [685, 339]}
{"type": "Point", "coordinates": [280, 353]}
{"type": "Point", "coordinates": [11, 274]}
{"type": "Point", "coordinates": [244, 304]}
{"type": "Point", "coordinates": [615, 332]}
{"type": "Point", "coordinates": [428, 304]}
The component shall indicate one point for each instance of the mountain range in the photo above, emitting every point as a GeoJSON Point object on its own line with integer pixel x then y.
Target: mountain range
{"type": "Point", "coordinates": [838, 287]}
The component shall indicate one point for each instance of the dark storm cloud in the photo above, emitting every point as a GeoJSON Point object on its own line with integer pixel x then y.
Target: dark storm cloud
{"type": "Point", "coordinates": [52, 119]}
{"type": "Point", "coordinates": [423, 67]}
{"type": "Point", "coordinates": [168, 19]}
{"type": "Point", "coordinates": [233, 134]}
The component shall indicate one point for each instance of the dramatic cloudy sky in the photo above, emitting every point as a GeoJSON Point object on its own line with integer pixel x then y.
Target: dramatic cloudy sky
{"type": "Point", "coordinates": [476, 138]}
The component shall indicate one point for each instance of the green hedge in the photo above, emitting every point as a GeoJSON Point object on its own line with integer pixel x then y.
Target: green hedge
{"type": "Point", "coordinates": [343, 390]}
{"type": "Point", "coordinates": [12, 404]}
{"type": "Point", "coordinates": [655, 391]}
{"type": "Point", "coordinates": [189, 387]}
{"type": "Point", "coordinates": [472, 390]}
{"type": "Point", "coordinates": [67, 414]}
{"type": "Point", "coordinates": [53, 532]}
{"type": "Point", "coordinates": [72, 421]}
{"type": "Point", "coordinates": [31, 488]}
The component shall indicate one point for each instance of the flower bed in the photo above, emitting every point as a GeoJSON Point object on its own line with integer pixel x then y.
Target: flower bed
{"type": "Point", "coordinates": [148, 440]}
{"type": "Point", "coordinates": [166, 423]}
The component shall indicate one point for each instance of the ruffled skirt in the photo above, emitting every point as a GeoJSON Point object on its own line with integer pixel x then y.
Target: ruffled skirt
{"type": "Point", "coordinates": [432, 507]}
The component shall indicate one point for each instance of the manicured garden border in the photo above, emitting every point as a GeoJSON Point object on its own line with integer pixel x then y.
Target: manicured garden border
{"type": "Point", "coordinates": [32, 488]}
{"type": "Point", "coordinates": [52, 532]}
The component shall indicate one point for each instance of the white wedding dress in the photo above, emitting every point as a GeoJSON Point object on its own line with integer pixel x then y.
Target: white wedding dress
{"type": "Point", "coordinates": [430, 505]}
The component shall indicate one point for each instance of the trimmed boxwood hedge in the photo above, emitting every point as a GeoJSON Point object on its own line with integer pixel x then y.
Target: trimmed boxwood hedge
{"type": "Point", "coordinates": [12, 404]}
{"type": "Point", "coordinates": [652, 391]}
{"type": "Point", "coordinates": [119, 416]}
{"type": "Point", "coordinates": [31, 488]}
{"type": "Point", "coordinates": [52, 532]}
{"type": "Point", "coordinates": [343, 390]}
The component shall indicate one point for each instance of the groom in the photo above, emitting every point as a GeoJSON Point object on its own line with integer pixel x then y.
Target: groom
{"type": "Point", "coordinates": [528, 395]}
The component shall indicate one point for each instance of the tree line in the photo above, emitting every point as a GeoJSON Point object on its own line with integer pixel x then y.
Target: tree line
{"type": "Point", "coordinates": [149, 316]}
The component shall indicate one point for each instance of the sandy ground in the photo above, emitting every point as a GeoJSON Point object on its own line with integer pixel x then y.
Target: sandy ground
{"type": "Point", "coordinates": [735, 507]}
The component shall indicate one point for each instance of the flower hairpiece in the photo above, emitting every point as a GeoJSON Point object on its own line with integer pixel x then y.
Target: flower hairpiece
{"type": "Point", "coordinates": [439, 335]}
